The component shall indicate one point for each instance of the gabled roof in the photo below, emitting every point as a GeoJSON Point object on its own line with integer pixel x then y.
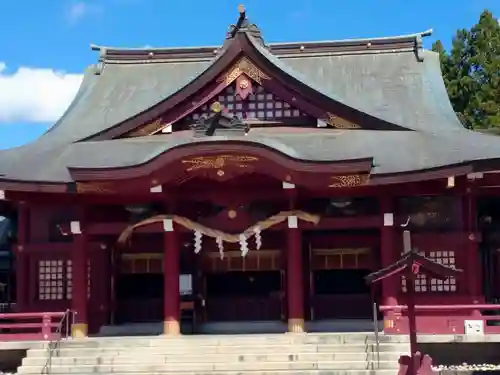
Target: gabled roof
{"type": "Point", "coordinates": [387, 80]}
{"type": "Point", "coordinates": [402, 266]}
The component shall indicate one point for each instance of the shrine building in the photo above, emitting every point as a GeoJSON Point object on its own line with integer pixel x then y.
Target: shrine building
{"type": "Point", "coordinates": [252, 186]}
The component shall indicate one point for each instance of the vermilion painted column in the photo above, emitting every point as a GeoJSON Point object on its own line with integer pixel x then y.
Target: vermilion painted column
{"type": "Point", "coordinates": [79, 293]}
{"type": "Point", "coordinates": [172, 308]}
{"type": "Point", "coordinates": [473, 270]}
{"type": "Point", "coordinates": [388, 255]}
{"type": "Point", "coordinates": [22, 259]}
{"type": "Point", "coordinates": [294, 274]}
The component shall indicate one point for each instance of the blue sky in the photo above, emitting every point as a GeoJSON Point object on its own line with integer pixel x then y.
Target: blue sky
{"type": "Point", "coordinates": [45, 45]}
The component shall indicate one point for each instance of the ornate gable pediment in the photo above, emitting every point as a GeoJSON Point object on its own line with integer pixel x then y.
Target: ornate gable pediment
{"type": "Point", "coordinates": [250, 95]}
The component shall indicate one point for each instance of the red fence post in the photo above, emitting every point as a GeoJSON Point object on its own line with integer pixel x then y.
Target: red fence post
{"type": "Point", "coordinates": [46, 327]}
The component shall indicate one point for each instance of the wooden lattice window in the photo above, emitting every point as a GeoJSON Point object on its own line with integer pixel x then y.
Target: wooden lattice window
{"type": "Point", "coordinates": [261, 260]}
{"type": "Point", "coordinates": [446, 258]}
{"type": "Point", "coordinates": [69, 279]}
{"type": "Point", "coordinates": [262, 105]}
{"type": "Point", "coordinates": [51, 279]}
{"type": "Point", "coordinates": [55, 279]}
{"type": "Point", "coordinates": [331, 259]}
{"type": "Point", "coordinates": [426, 284]}
{"type": "Point", "coordinates": [141, 263]}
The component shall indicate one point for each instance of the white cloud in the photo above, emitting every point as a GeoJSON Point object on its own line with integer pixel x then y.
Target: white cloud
{"type": "Point", "coordinates": [35, 95]}
{"type": "Point", "coordinates": [80, 9]}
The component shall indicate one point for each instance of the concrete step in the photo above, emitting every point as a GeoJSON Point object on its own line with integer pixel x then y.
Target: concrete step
{"type": "Point", "coordinates": [116, 350]}
{"type": "Point", "coordinates": [272, 372]}
{"type": "Point", "coordinates": [207, 367]}
{"type": "Point", "coordinates": [212, 358]}
{"type": "Point", "coordinates": [229, 340]}
{"type": "Point", "coordinates": [294, 354]}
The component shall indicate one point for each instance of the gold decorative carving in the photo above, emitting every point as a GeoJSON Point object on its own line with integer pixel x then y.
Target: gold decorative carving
{"type": "Point", "coordinates": [243, 66]}
{"type": "Point", "coordinates": [340, 123]}
{"type": "Point", "coordinates": [148, 129]}
{"type": "Point", "coordinates": [351, 180]}
{"type": "Point", "coordinates": [93, 188]}
{"type": "Point", "coordinates": [219, 162]}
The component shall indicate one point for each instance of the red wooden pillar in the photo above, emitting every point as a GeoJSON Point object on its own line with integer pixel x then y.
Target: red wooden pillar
{"type": "Point", "coordinates": [22, 259]}
{"type": "Point", "coordinates": [79, 276]}
{"type": "Point", "coordinates": [388, 255]}
{"type": "Point", "coordinates": [171, 273]}
{"type": "Point", "coordinates": [473, 270]}
{"type": "Point", "coordinates": [294, 272]}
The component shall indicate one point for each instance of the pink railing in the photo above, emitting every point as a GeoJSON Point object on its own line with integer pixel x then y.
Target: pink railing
{"type": "Point", "coordinates": [447, 319]}
{"type": "Point", "coordinates": [32, 326]}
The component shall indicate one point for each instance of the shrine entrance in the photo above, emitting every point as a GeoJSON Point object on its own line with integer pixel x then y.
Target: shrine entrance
{"type": "Point", "coordinates": [338, 265]}
{"type": "Point", "coordinates": [138, 288]}
{"type": "Point", "coordinates": [341, 294]}
{"type": "Point", "coordinates": [244, 296]}
{"type": "Point", "coordinates": [139, 298]}
{"type": "Point", "coordinates": [237, 289]}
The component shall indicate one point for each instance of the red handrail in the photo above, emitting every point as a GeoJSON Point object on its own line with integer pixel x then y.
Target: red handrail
{"type": "Point", "coordinates": [441, 307]}
{"type": "Point", "coordinates": [58, 314]}
{"type": "Point", "coordinates": [30, 326]}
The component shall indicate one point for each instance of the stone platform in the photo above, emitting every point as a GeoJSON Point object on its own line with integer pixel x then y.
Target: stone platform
{"type": "Point", "coordinates": [299, 354]}
{"type": "Point", "coordinates": [262, 354]}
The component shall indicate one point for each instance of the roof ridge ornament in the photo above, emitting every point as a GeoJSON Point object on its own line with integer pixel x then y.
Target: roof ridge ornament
{"type": "Point", "coordinates": [219, 123]}
{"type": "Point", "coordinates": [245, 26]}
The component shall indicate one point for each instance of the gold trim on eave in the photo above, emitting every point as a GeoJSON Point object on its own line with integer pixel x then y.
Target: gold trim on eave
{"type": "Point", "coordinates": [218, 162]}
{"type": "Point", "coordinates": [340, 123]}
{"type": "Point", "coordinates": [93, 188]}
{"type": "Point", "coordinates": [148, 129]}
{"type": "Point", "coordinates": [243, 66]}
{"type": "Point", "coordinates": [351, 180]}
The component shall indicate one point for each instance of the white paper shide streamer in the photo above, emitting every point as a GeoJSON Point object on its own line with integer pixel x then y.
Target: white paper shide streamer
{"type": "Point", "coordinates": [243, 245]}
{"type": "Point", "coordinates": [197, 241]}
{"type": "Point", "coordinates": [220, 245]}
{"type": "Point", "coordinates": [258, 238]}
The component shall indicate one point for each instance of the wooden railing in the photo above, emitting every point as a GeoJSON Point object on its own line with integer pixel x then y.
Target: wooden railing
{"type": "Point", "coordinates": [31, 326]}
{"type": "Point", "coordinates": [445, 319]}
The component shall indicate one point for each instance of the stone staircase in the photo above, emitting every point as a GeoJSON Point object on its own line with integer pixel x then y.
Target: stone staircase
{"type": "Point", "coordinates": [294, 354]}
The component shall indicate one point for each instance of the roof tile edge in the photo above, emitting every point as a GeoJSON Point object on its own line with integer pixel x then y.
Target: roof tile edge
{"type": "Point", "coordinates": [346, 46]}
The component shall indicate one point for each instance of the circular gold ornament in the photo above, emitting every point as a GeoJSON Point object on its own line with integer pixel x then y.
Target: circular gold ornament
{"type": "Point", "coordinates": [216, 107]}
{"type": "Point", "coordinates": [244, 84]}
{"type": "Point", "coordinates": [220, 173]}
{"type": "Point", "coordinates": [232, 214]}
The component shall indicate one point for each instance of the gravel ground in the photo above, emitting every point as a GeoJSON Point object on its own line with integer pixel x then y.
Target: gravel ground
{"type": "Point", "coordinates": [466, 367]}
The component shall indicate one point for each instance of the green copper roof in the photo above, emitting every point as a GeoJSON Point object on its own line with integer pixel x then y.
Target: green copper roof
{"type": "Point", "coordinates": [402, 86]}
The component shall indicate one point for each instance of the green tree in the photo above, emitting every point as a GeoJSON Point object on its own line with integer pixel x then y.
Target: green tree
{"type": "Point", "coordinates": [485, 60]}
{"type": "Point", "coordinates": [471, 72]}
